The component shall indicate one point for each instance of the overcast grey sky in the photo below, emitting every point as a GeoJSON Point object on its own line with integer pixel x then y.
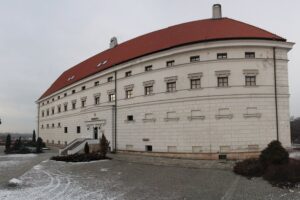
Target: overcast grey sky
{"type": "Point", "coordinates": [41, 39]}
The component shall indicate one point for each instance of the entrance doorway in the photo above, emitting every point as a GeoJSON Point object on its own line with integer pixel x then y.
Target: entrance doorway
{"type": "Point", "coordinates": [95, 132]}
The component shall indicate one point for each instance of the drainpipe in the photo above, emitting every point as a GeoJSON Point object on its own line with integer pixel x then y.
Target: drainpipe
{"type": "Point", "coordinates": [38, 121]}
{"type": "Point", "coordinates": [275, 91]}
{"type": "Point", "coordinates": [115, 132]}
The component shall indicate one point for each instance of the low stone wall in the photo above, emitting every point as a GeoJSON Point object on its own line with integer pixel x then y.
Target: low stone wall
{"type": "Point", "coordinates": [200, 156]}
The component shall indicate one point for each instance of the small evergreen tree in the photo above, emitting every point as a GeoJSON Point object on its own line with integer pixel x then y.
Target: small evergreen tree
{"type": "Point", "coordinates": [86, 148]}
{"type": "Point", "coordinates": [39, 145]}
{"type": "Point", "coordinates": [33, 137]}
{"type": "Point", "coordinates": [274, 154]}
{"type": "Point", "coordinates": [7, 144]}
{"type": "Point", "coordinates": [104, 145]}
{"type": "Point", "coordinates": [18, 144]}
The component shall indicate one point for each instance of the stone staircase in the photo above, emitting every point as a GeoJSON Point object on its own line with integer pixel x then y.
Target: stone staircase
{"type": "Point", "coordinates": [76, 146]}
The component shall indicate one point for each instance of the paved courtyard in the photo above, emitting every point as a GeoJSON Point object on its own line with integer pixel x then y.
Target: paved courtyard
{"type": "Point", "coordinates": [132, 177]}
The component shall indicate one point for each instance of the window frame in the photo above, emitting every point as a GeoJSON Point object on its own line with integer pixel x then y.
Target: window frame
{"type": "Point", "coordinates": [250, 80]}
{"type": "Point", "coordinates": [128, 93]}
{"type": "Point", "coordinates": [194, 59]}
{"type": "Point", "coordinates": [128, 73]}
{"type": "Point", "coordinates": [249, 54]}
{"type": "Point", "coordinates": [196, 85]}
{"type": "Point", "coordinates": [221, 56]}
{"type": "Point", "coordinates": [148, 68]}
{"type": "Point", "coordinates": [221, 82]}
{"type": "Point", "coordinates": [170, 63]}
{"type": "Point", "coordinates": [173, 86]}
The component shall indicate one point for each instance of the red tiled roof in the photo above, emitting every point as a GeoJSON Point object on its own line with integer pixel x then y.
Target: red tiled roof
{"type": "Point", "coordinates": [182, 34]}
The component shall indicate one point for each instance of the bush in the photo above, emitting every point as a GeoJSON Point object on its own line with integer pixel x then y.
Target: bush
{"type": "Point", "coordinates": [249, 168]}
{"type": "Point", "coordinates": [104, 145]}
{"type": "Point", "coordinates": [86, 148]}
{"type": "Point", "coordinates": [7, 144]}
{"type": "Point", "coordinates": [39, 145]}
{"type": "Point", "coordinates": [284, 175]}
{"type": "Point", "coordinates": [274, 154]}
{"type": "Point", "coordinates": [79, 157]}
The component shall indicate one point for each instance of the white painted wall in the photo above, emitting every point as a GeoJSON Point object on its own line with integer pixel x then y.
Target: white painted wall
{"type": "Point", "coordinates": [208, 134]}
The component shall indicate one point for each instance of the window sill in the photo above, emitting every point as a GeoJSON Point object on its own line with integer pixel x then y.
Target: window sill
{"type": "Point", "coordinates": [171, 119]}
{"type": "Point", "coordinates": [251, 86]}
{"type": "Point", "coordinates": [191, 89]}
{"type": "Point", "coordinates": [222, 87]}
{"type": "Point", "coordinates": [129, 121]}
{"type": "Point", "coordinates": [229, 116]}
{"type": "Point", "coordinates": [149, 120]}
{"type": "Point", "coordinates": [254, 115]}
{"type": "Point", "coordinates": [196, 118]}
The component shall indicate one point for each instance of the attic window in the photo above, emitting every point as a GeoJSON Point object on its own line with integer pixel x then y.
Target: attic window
{"type": "Point", "coordinates": [71, 78]}
{"type": "Point", "coordinates": [102, 63]}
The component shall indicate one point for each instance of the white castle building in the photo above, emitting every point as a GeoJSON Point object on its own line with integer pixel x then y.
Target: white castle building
{"type": "Point", "coordinates": [204, 88]}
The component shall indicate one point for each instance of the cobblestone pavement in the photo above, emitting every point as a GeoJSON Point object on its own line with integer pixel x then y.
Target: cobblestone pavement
{"type": "Point", "coordinates": [131, 177]}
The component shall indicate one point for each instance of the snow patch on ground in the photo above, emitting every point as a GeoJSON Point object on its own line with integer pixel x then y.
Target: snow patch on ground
{"type": "Point", "coordinates": [37, 167]}
{"type": "Point", "coordinates": [295, 155]}
{"type": "Point", "coordinates": [14, 182]}
{"type": "Point", "coordinates": [18, 155]}
{"type": "Point", "coordinates": [8, 163]}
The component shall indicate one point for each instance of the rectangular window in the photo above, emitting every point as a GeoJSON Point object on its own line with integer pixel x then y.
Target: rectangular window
{"type": "Point", "coordinates": [149, 90]}
{"type": "Point", "coordinates": [97, 100]}
{"type": "Point", "coordinates": [58, 97]}
{"type": "Point", "coordinates": [194, 58]}
{"type": "Point", "coordinates": [48, 102]}
{"type": "Point", "coordinates": [195, 83]}
{"type": "Point", "coordinates": [171, 87]}
{"type": "Point", "coordinates": [96, 83]}
{"type": "Point", "coordinates": [249, 54]}
{"type": "Point", "coordinates": [148, 147]}
{"type": "Point", "coordinates": [222, 81]}
{"type": "Point", "coordinates": [65, 94]}
{"type": "Point", "coordinates": [58, 109]}
{"type": "Point", "coordinates": [128, 94]}
{"type": "Point", "coordinates": [53, 126]}
{"type": "Point", "coordinates": [47, 112]}
{"type": "Point", "coordinates": [83, 88]}
{"type": "Point", "coordinates": [83, 103]}
{"type": "Point", "coordinates": [250, 80]}
{"type": "Point", "coordinates": [52, 110]}
{"type": "Point", "coordinates": [65, 129]}
{"type": "Point", "coordinates": [148, 68]}
{"type": "Point", "coordinates": [74, 105]}
{"type": "Point", "coordinates": [78, 129]}
{"type": "Point", "coordinates": [222, 56]}
{"type": "Point", "coordinates": [129, 117]}
{"type": "Point", "coordinates": [58, 125]}
{"type": "Point", "coordinates": [52, 99]}
{"type": "Point", "coordinates": [127, 74]}
{"type": "Point", "coordinates": [65, 107]}
{"type": "Point", "coordinates": [170, 63]}
{"type": "Point", "coordinates": [73, 91]}
{"type": "Point", "coordinates": [110, 79]}
{"type": "Point", "coordinates": [111, 97]}
{"type": "Point", "coordinates": [43, 113]}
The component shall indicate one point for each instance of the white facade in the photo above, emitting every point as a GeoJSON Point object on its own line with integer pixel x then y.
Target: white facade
{"type": "Point", "coordinates": [209, 119]}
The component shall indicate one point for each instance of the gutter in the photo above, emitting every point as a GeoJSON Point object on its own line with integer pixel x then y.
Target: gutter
{"type": "Point", "coordinates": [115, 132]}
{"type": "Point", "coordinates": [275, 92]}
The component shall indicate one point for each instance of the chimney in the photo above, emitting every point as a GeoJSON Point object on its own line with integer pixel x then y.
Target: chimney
{"type": "Point", "coordinates": [113, 42]}
{"type": "Point", "coordinates": [217, 11]}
